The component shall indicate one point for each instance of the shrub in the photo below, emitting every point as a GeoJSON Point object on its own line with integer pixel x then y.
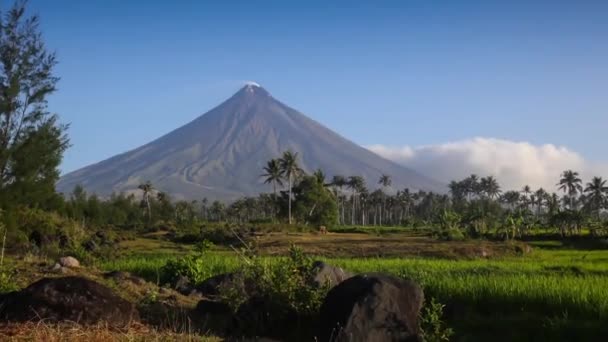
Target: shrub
{"type": "Point", "coordinates": [192, 266]}
{"type": "Point", "coordinates": [7, 280]}
{"type": "Point", "coordinates": [431, 323]}
{"type": "Point", "coordinates": [285, 286]}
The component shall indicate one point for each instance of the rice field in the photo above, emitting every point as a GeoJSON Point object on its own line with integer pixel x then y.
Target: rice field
{"type": "Point", "coordinates": [550, 294]}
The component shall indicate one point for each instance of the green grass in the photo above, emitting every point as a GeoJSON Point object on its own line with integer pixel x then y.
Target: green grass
{"type": "Point", "coordinates": [554, 293]}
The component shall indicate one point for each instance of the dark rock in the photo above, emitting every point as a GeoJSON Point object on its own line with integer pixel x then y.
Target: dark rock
{"type": "Point", "coordinates": [324, 274]}
{"type": "Point", "coordinates": [41, 240]}
{"type": "Point", "coordinates": [213, 316]}
{"type": "Point", "coordinates": [373, 308]}
{"type": "Point", "coordinates": [64, 241]}
{"type": "Point", "coordinates": [211, 287]}
{"type": "Point", "coordinates": [74, 299]}
{"type": "Point", "coordinates": [120, 277]}
{"type": "Point", "coordinates": [183, 285]}
{"type": "Point", "coordinates": [90, 246]}
{"type": "Point", "coordinates": [212, 307]}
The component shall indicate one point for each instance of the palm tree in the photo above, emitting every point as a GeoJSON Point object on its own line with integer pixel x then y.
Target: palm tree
{"type": "Point", "coordinates": [273, 174]}
{"type": "Point", "coordinates": [355, 183]}
{"type": "Point", "coordinates": [570, 183]}
{"type": "Point", "coordinates": [320, 176]}
{"type": "Point", "coordinates": [511, 198]}
{"type": "Point", "coordinates": [291, 170]}
{"type": "Point", "coordinates": [339, 181]}
{"type": "Point", "coordinates": [526, 191]}
{"type": "Point", "coordinates": [541, 196]}
{"type": "Point", "coordinates": [385, 181]}
{"type": "Point", "coordinates": [472, 185]}
{"type": "Point", "coordinates": [597, 191]}
{"type": "Point", "coordinates": [489, 185]}
{"type": "Point", "coordinates": [147, 188]}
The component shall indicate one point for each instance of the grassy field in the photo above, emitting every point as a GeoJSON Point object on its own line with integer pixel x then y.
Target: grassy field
{"type": "Point", "coordinates": [556, 292]}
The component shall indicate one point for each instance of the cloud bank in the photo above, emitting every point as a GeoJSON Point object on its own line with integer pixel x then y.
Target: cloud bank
{"type": "Point", "coordinates": [515, 164]}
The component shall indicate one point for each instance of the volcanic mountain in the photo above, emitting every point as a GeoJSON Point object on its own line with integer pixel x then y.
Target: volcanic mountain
{"type": "Point", "coordinates": [220, 155]}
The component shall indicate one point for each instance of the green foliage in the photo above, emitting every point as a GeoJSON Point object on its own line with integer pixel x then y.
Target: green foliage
{"type": "Point", "coordinates": [314, 204]}
{"type": "Point", "coordinates": [449, 227]}
{"type": "Point", "coordinates": [432, 325]}
{"type": "Point", "coordinates": [192, 266]}
{"type": "Point", "coordinates": [7, 280]}
{"type": "Point", "coordinates": [284, 284]}
{"type": "Point", "coordinates": [32, 142]}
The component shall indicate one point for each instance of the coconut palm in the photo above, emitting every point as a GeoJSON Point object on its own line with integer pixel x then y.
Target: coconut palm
{"type": "Point", "coordinates": [597, 193]}
{"type": "Point", "coordinates": [526, 192]}
{"type": "Point", "coordinates": [541, 196]}
{"type": "Point", "coordinates": [147, 188]}
{"type": "Point", "coordinates": [570, 183]}
{"type": "Point", "coordinates": [339, 181]}
{"type": "Point", "coordinates": [385, 181]}
{"type": "Point", "coordinates": [490, 187]}
{"type": "Point", "coordinates": [291, 170]}
{"type": "Point", "coordinates": [511, 198]}
{"type": "Point", "coordinates": [320, 176]}
{"type": "Point", "coordinates": [355, 183]}
{"type": "Point", "coordinates": [273, 174]}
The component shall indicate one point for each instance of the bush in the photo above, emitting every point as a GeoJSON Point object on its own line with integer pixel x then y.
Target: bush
{"type": "Point", "coordinates": [284, 288]}
{"type": "Point", "coordinates": [192, 266]}
{"type": "Point", "coordinates": [431, 323]}
{"type": "Point", "coordinates": [7, 280]}
{"type": "Point", "coordinates": [47, 231]}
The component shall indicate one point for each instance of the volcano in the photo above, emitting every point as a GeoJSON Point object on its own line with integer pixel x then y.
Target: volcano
{"type": "Point", "coordinates": [220, 155]}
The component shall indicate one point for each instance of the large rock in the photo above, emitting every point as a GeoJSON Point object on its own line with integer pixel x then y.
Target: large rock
{"type": "Point", "coordinates": [372, 308]}
{"type": "Point", "coordinates": [74, 299]}
{"type": "Point", "coordinates": [324, 274]}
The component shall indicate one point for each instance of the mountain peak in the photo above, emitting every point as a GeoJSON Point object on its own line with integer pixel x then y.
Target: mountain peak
{"type": "Point", "coordinates": [253, 88]}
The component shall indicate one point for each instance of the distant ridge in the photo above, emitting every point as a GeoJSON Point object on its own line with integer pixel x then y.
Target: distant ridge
{"type": "Point", "coordinates": [220, 154]}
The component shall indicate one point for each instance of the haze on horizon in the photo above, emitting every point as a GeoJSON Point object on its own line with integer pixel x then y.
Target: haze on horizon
{"type": "Point", "coordinates": [509, 89]}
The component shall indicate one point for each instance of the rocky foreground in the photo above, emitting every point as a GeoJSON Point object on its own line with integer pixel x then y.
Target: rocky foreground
{"type": "Point", "coordinates": [371, 307]}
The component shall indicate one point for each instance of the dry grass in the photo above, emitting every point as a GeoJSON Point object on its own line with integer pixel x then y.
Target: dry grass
{"type": "Point", "coordinates": [101, 333]}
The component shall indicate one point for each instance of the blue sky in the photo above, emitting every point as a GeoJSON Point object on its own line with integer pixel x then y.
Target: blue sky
{"type": "Point", "coordinates": [403, 73]}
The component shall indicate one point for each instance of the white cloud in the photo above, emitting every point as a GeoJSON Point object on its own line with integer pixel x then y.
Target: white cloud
{"type": "Point", "coordinates": [514, 164]}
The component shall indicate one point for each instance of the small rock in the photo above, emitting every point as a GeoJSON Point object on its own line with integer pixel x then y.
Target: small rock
{"type": "Point", "coordinates": [69, 262]}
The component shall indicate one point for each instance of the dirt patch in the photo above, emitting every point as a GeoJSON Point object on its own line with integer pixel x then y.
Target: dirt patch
{"type": "Point", "coordinates": [389, 245]}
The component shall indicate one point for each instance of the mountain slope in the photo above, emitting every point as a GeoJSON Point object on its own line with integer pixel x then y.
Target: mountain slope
{"type": "Point", "coordinates": [220, 154]}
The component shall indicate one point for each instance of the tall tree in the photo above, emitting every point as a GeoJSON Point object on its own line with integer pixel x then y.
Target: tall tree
{"type": "Point", "coordinates": [146, 189]}
{"type": "Point", "coordinates": [541, 196]}
{"type": "Point", "coordinates": [571, 184]}
{"type": "Point", "coordinates": [385, 181]}
{"type": "Point", "coordinates": [32, 141]}
{"type": "Point", "coordinates": [490, 187]}
{"type": "Point", "coordinates": [597, 193]}
{"type": "Point", "coordinates": [290, 170]}
{"type": "Point", "coordinates": [339, 182]}
{"type": "Point", "coordinates": [273, 174]}
{"type": "Point", "coordinates": [355, 183]}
